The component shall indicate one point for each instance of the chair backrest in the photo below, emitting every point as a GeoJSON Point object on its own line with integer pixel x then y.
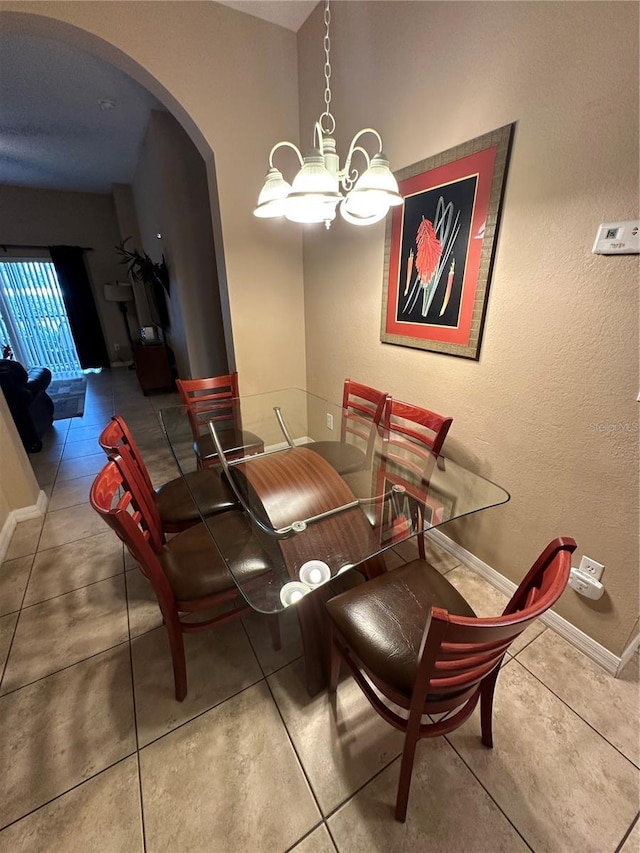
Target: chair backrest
{"type": "Point", "coordinates": [123, 511]}
{"type": "Point", "coordinates": [412, 437]}
{"type": "Point", "coordinates": [208, 399]}
{"type": "Point", "coordinates": [404, 423]}
{"type": "Point", "coordinates": [362, 409]}
{"type": "Point", "coordinates": [117, 434]}
{"type": "Point", "coordinates": [458, 652]}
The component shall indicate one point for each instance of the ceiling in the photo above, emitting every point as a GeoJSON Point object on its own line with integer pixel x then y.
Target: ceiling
{"type": "Point", "coordinates": [54, 131]}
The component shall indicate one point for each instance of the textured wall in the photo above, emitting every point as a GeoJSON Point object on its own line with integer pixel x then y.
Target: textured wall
{"type": "Point", "coordinates": [560, 351]}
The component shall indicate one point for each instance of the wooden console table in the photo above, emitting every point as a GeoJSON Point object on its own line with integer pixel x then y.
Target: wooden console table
{"type": "Point", "coordinates": [152, 366]}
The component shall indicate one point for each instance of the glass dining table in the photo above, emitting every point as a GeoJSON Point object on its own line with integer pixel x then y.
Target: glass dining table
{"type": "Point", "coordinates": [321, 500]}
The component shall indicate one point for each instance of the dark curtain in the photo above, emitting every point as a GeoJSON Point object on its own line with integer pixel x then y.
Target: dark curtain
{"type": "Point", "coordinates": [80, 305]}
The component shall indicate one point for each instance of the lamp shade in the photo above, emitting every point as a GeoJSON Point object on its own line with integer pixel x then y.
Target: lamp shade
{"type": "Point", "coordinates": [314, 192]}
{"type": "Point", "coordinates": [271, 201]}
{"type": "Point", "coordinates": [375, 191]}
{"type": "Point", "coordinates": [119, 292]}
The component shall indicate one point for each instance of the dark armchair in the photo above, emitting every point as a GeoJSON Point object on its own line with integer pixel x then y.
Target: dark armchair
{"type": "Point", "coordinates": [28, 401]}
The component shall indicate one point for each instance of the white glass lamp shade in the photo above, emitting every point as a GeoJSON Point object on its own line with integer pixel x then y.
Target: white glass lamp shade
{"type": "Point", "coordinates": [375, 191]}
{"type": "Point", "coordinates": [273, 196]}
{"type": "Point", "coordinates": [314, 192]}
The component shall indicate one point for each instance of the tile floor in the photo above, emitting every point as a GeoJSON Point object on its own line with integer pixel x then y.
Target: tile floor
{"type": "Point", "coordinates": [96, 755]}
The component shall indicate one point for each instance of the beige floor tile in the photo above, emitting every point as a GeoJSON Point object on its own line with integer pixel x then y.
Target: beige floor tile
{"type": "Point", "coordinates": [86, 447]}
{"type": "Point", "coordinates": [68, 567]}
{"type": "Point", "coordinates": [632, 843]}
{"type": "Point", "coordinates": [89, 419]}
{"type": "Point", "coordinates": [62, 526]}
{"type": "Point", "coordinates": [14, 576]}
{"type": "Point", "coordinates": [223, 776]}
{"type": "Point", "coordinates": [557, 780]}
{"type": "Point", "coordinates": [64, 729]}
{"type": "Point", "coordinates": [438, 556]}
{"type": "Point", "coordinates": [67, 493]}
{"type": "Point", "coordinates": [611, 705]}
{"type": "Point", "coordinates": [85, 433]}
{"type": "Point", "coordinates": [59, 632]}
{"type": "Point", "coordinates": [50, 453]}
{"type": "Point", "coordinates": [257, 628]}
{"type": "Point", "coordinates": [44, 472]}
{"type": "Point", "coordinates": [340, 749]}
{"type": "Point", "coordinates": [7, 626]}
{"type": "Point", "coordinates": [144, 612]}
{"type": "Point", "coordinates": [71, 469]}
{"type": "Point", "coordinates": [485, 599]}
{"type": "Point", "coordinates": [25, 538]}
{"type": "Point", "coordinates": [220, 663]}
{"type": "Point", "coordinates": [448, 811]}
{"type": "Point", "coordinates": [318, 841]}
{"type": "Point", "coordinates": [130, 562]}
{"type": "Point", "coordinates": [56, 435]}
{"type": "Point", "coordinates": [103, 814]}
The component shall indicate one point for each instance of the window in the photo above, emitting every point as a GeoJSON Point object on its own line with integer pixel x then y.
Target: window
{"type": "Point", "coordinates": [33, 319]}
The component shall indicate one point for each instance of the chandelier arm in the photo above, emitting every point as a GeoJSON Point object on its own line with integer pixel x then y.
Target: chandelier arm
{"type": "Point", "coordinates": [352, 150]}
{"type": "Point", "coordinates": [348, 176]}
{"type": "Point", "coordinates": [285, 144]}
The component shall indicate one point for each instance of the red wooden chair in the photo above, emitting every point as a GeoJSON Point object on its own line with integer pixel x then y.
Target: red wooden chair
{"type": "Point", "coordinates": [411, 635]}
{"type": "Point", "coordinates": [215, 399]}
{"type": "Point", "coordinates": [175, 500]}
{"type": "Point", "coordinates": [362, 408]}
{"type": "Point", "coordinates": [187, 573]}
{"type": "Point", "coordinates": [404, 422]}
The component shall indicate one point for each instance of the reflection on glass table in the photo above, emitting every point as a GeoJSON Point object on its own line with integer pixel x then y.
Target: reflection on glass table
{"type": "Point", "coordinates": [312, 522]}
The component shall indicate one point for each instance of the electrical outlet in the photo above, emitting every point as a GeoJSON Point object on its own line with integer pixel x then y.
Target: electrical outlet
{"type": "Point", "coordinates": [591, 567]}
{"type": "Point", "coordinates": [329, 421]}
{"type": "Point", "coordinates": [116, 347]}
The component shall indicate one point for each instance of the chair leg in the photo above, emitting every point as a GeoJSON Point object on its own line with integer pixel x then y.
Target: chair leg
{"type": "Point", "coordinates": [406, 769]}
{"type": "Point", "coordinates": [335, 660]}
{"type": "Point", "coordinates": [274, 630]}
{"type": "Point", "coordinates": [486, 706]}
{"type": "Point", "coordinates": [176, 644]}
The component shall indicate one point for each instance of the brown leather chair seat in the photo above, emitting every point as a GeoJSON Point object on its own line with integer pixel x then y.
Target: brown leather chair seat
{"type": "Point", "coordinates": [193, 566]}
{"type": "Point", "coordinates": [212, 494]}
{"type": "Point", "coordinates": [367, 619]}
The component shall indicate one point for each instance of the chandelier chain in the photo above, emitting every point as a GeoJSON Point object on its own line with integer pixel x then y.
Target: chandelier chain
{"type": "Point", "coordinates": [330, 124]}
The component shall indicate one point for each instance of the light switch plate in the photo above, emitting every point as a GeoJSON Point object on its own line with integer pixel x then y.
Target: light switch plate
{"type": "Point", "coordinates": [618, 238]}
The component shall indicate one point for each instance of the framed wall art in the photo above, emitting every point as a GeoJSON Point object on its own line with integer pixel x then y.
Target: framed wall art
{"type": "Point", "coordinates": [440, 246]}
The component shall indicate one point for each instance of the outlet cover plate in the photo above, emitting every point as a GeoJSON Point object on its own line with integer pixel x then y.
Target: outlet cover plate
{"type": "Point", "coordinates": [591, 567]}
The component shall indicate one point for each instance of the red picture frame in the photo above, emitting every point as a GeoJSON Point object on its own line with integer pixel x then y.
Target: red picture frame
{"type": "Point", "coordinates": [440, 246]}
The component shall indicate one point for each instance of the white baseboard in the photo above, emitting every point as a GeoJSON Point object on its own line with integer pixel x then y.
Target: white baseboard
{"type": "Point", "coordinates": [586, 644]}
{"type": "Point", "coordinates": [628, 653]}
{"type": "Point", "coordinates": [17, 515]}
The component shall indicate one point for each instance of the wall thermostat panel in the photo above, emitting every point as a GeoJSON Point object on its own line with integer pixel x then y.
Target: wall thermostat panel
{"type": "Point", "coordinates": [618, 238]}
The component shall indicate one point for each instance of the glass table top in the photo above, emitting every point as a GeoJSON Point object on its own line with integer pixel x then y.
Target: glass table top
{"type": "Point", "coordinates": [320, 493]}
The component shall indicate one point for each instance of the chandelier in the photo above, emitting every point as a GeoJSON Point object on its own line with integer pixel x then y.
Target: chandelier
{"type": "Point", "coordinates": [321, 185]}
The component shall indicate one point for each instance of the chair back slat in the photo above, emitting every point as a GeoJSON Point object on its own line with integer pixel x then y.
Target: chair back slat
{"type": "Point", "coordinates": [416, 424]}
{"type": "Point", "coordinates": [458, 652]}
{"type": "Point", "coordinates": [209, 399]}
{"type": "Point", "coordinates": [362, 410]}
{"type": "Point", "coordinates": [114, 436]}
{"type": "Point", "coordinates": [121, 509]}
